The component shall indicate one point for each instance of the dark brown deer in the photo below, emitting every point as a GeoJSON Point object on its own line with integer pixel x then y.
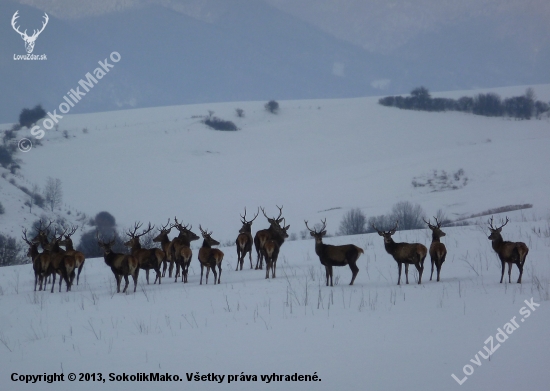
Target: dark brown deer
{"type": "Point", "coordinates": [61, 263]}
{"type": "Point", "coordinates": [162, 238]}
{"type": "Point", "coordinates": [34, 254]}
{"type": "Point", "coordinates": [210, 257]}
{"type": "Point", "coordinates": [330, 255]}
{"type": "Point", "coordinates": [404, 253]}
{"type": "Point", "coordinates": [41, 238]}
{"type": "Point", "coordinates": [122, 265]}
{"type": "Point", "coordinates": [508, 252]}
{"type": "Point", "coordinates": [272, 247]}
{"type": "Point", "coordinates": [78, 256]}
{"type": "Point", "coordinates": [438, 251]}
{"type": "Point", "coordinates": [264, 235]}
{"type": "Point", "coordinates": [180, 248]}
{"type": "Point", "coordinates": [244, 241]}
{"type": "Point", "coordinates": [147, 258]}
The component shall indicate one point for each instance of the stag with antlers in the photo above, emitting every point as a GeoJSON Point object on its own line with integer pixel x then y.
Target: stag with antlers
{"type": "Point", "coordinates": [122, 265]}
{"type": "Point", "coordinates": [330, 255]}
{"type": "Point", "coordinates": [404, 253]}
{"type": "Point", "coordinates": [147, 258]}
{"type": "Point", "coordinates": [272, 247]}
{"type": "Point", "coordinates": [508, 252]}
{"type": "Point", "coordinates": [60, 263]}
{"type": "Point", "coordinates": [69, 249]}
{"type": "Point", "coordinates": [210, 257]}
{"type": "Point", "coordinates": [180, 249]}
{"type": "Point", "coordinates": [41, 238]}
{"type": "Point", "coordinates": [264, 235]}
{"type": "Point", "coordinates": [244, 241]}
{"type": "Point", "coordinates": [438, 251]}
{"type": "Point", "coordinates": [162, 238]}
{"type": "Point", "coordinates": [29, 41]}
{"type": "Point", "coordinates": [34, 254]}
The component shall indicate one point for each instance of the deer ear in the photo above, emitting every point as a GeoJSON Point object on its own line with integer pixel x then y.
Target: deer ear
{"type": "Point", "coordinates": [312, 234]}
{"type": "Point", "coordinates": [287, 227]}
{"type": "Point", "coordinates": [324, 233]}
{"type": "Point", "coordinates": [380, 233]}
{"type": "Point", "coordinates": [499, 230]}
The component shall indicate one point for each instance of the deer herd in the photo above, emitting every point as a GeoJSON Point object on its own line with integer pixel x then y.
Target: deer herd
{"type": "Point", "coordinates": [68, 263]}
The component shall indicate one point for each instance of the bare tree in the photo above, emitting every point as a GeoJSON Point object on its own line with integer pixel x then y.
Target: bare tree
{"type": "Point", "coordinates": [53, 193]}
{"type": "Point", "coordinates": [408, 214]}
{"type": "Point", "coordinates": [353, 223]}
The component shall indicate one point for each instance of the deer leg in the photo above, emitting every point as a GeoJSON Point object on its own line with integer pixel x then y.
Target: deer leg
{"type": "Point", "coordinates": [326, 273]}
{"type": "Point", "coordinates": [250, 257]}
{"type": "Point", "coordinates": [407, 272]}
{"type": "Point", "coordinates": [207, 273]}
{"type": "Point", "coordinates": [509, 272]}
{"type": "Point", "coordinates": [432, 270]}
{"type": "Point", "coordinates": [354, 271]}
{"type": "Point", "coordinates": [135, 277]}
{"type": "Point", "coordinates": [520, 267]}
{"type": "Point", "coordinates": [267, 267]}
{"type": "Point", "coordinates": [220, 272]}
{"type": "Point", "coordinates": [274, 268]}
{"type": "Point", "coordinates": [330, 274]}
{"type": "Point", "coordinates": [79, 271]}
{"type": "Point", "coordinates": [126, 283]}
{"type": "Point", "coordinates": [53, 284]}
{"type": "Point", "coordinates": [502, 275]}
{"type": "Point", "coordinates": [238, 258]}
{"type": "Point", "coordinates": [399, 264]}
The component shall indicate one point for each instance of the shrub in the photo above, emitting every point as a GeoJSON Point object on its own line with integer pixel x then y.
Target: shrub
{"type": "Point", "coordinates": [219, 124]}
{"type": "Point", "coordinates": [6, 156]}
{"type": "Point", "coordinates": [28, 117]}
{"type": "Point", "coordinates": [353, 223]}
{"type": "Point", "coordinates": [2, 210]}
{"type": "Point", "coordinates": [272, 106]}
{"type": "Point", "coordinates": [11, 252]}
{"type": "Point", "coordinates": [239, 112]}
{"type": "Point", "coordinates": [408, 214]}
{"type": "Point", "coordinates": [104, 220]}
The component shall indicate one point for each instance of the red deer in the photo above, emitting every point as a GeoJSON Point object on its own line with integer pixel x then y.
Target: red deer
{"type": "Point", "coordinates": [264, 235]}
{"type": "Point", "coordinates": [438, 251]}
{"type": "Point", "coordinates": [210, 257]}
{"type": "Point", "coordinates": [508, 252]}
{"type": "Point", "coordinates": [122, 265]}
{"type": "Point", "coordinates": [162, 238]}
{"type": "Point", "coordinates": [404, 253]}
{"type": "Point", "coordinates": [180, 249]}
{"type": "Point", "coordinates": [244, 241]}
{"type": "Point", "coordinates": [34, 254]}
{"type": "Point", "coordinates": [330, 255]}
{"type": "Point", "coordinates": [45, 258]}
{"type": "Point", "coordinates": [272, 247]}
{"type": "Point", "coordinates": [78, 256]}
{"type": "Point", "coordinates": [147, 258]}
{"type": "Point", "coordinates": [61, 263]}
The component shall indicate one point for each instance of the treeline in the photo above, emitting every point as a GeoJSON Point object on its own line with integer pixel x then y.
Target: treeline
{"type": "Point", "coordinates": [490, 104]}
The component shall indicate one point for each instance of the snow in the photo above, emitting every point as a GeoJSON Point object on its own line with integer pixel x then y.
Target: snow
{"type": "Point", "coordinates": [152, 164]}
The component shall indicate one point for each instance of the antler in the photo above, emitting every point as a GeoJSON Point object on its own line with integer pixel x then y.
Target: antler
{"type": "Point", "coordinates": [496, 229]}
{"type": "Point", "coordinates": [278, 218]}
{"type": "Point", "coordinates": [25, 237]}
{"type": "Point", "coordinates": [146, 231]}
{"type": "Point", "coordinates": [324, 222]}
{"type": "Point", "coordinates": [243, 218]}
{"type": "Point", "coordinates": [392, 231]}
{"type": "Point", "coordinates": [73, 230]}
{"type": "Point", "coordinates": [13, 19]}
{"type": "Point", "coordinates": [205, 232]}
{"type": "Point", "coordinates": [164, 227]}
{"type": "Point", "coordinates": [137, 225]}
{"type": "Point", "coordinates": [429, 224]}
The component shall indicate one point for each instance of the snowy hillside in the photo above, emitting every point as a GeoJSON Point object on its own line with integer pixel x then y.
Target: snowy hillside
{"type": "Point", "coordinates": [319, 159]}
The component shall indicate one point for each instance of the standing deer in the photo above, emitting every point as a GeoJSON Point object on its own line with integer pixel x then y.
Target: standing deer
{"type": "Point", "coordinates": [162, 238]}
{"type": "Point", "coordinates": [45, 257]}
{"type": "Point", "coordinates": [438, 251]}
{"type": "Point", "coordinates": [122, 265]}
{"type": "Point", "coordinates": [264, 235]}
{"type": "Point", "coordinates": [210, 257]}
{"type": "Point", "coordinates": [61, 263]}
{"type": "Point", "coordinates": [78, 256]}
{"type": "Point", "coordinates": [404, 253]}
{"type": "Point", "coordinates": [34, 254]}
{"type": "Point", "coordinates": [180, 250]}
{"type": "Point", "coordinates": [335, 255]}
{"type": "Point", "coordinates": [508, 252]}
{"type": "Point", "coordinates": [244, 241]}
{"type": "Point", "coordinates": [272, 247]}
{"type": "Point", "coordinates": [147, 258]}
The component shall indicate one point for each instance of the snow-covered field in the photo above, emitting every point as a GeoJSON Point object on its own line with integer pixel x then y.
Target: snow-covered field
{"type": "Point", "coordinates": [318, 159]}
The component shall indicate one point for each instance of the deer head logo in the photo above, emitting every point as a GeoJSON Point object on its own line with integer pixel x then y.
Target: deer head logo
{"type": "Point", "coordinates": [29, 40]}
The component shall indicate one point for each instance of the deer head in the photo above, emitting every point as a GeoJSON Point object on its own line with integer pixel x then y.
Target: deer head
{"type": "Point", "coordinates": [68, 241]}
{"type": "Point", "coordinates": [106, 246]}
{"type": "Point", "coordinates": [386, 234]}
{"type": "Point", "coordinates": [184, 231]}
{"type": "Point", "coordinates": [276, 220]}
{"type": "Point", "coordinates": [29, 41]}
{"type": "Point", "coordinates": [495, 232]}
{"type": "Point", "coordinates": [318, 235]}
{"type": "Point", "coordinates": [207, 238]}
{"type": "Point", "coordinates": [163, 232]}
{"type": "Point", "coordinates": [134, 237]}
{"type": "Point", "coordinates": [247, 224]}
{"type": "Point", "coordinates": [436, 229]}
